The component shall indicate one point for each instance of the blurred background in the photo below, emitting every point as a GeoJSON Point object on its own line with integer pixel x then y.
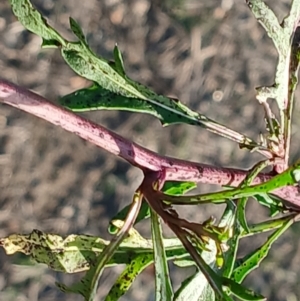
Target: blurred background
{"type": "Point", "coordinates": [209, 54]}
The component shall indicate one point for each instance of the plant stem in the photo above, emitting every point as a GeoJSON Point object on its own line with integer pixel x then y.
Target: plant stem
{"type": "Point", "coordinates": [173, 169]}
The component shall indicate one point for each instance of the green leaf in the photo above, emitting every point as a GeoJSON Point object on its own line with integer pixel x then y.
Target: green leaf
{"type": "Point", "coordinates": [70, 255]}
{"type": "Point", "coordinates": [178, 188]}
{"type": "Point", "coordinates": [87, 286]}
{"type": "Point", "coordinates": [33, 21]}
{"type": "Point", "coordinates": [174, 251]}
{"type": "Point", "coordinates": [132, 270]}
{"type": "Point", "coordinates": [97, 98]}
{"type": "Point", "coordinates": [163, 287]}
{"type": "Point", "coordinates": [230, 222]}
{"type": "Point", "coordinates": [76, 253]}
{"type": "Point", "coordinates": [241, 204]}
{"type": "Point", "coordinates": [111, 77]}
{"type": "Point", "coordinates": [253, 260]}
{"type": "Point", "coordinates": [195, 288]}
{"type": "Point", "coordinates": [185, 262]}
{"type": "Point", "coordinates": [119, 64]}
{"type": "Point", "coordinates": [240, 291]}
{"type": "Point", "coordinates": [77, 30]}
{"type": "Point", "coordinates": [270, 201]}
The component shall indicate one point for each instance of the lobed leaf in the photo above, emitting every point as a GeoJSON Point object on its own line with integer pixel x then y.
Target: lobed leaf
{"type": "Point", "coordinates": [112, 77]}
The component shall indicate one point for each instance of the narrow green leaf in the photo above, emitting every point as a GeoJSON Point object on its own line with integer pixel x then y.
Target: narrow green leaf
{"type": "Point", "coordinates": [98, 98]}
{"type": "Point", "coordinates": [253, 260]}
{"type": "Point", "coordinates": [89, 283]}
{"type": "Point", "coordinates": [77, 30]}
{"type": "Point", "coordinates": [124, 281]}
{"type": "Point", "coordinates": [119, 64]}
{"type": "Point", "coordinates": [139, 261]}
{"type": "Point", "coordinates": [226, 287]}
{"type": "Point", "coordinates": [240, 291]}
{"type": "Point", "coordinates": [163, 287]}
{"type": "Point", "coordinates": [230, 222]}
{"type": "Point", "coordinates": [195, 288]}
{"type": "Point", "coordinates": [270, 201]}
{"type": "Point", "coordinates": [178, 188]}
{"type": "Point", "coordinates": [32, 20]}
{"type": "Point", "coordinates": [185, 262]}
{"type": "Point", "coordinates": [268, 225]}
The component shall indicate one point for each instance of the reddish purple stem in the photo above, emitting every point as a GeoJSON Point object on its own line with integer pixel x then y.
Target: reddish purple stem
{"type": "Point", "coordinates": [173, 169]}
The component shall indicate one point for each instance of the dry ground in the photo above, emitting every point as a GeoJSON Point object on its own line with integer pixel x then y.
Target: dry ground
{"type": "Point", "coordinates": [210, 54]}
